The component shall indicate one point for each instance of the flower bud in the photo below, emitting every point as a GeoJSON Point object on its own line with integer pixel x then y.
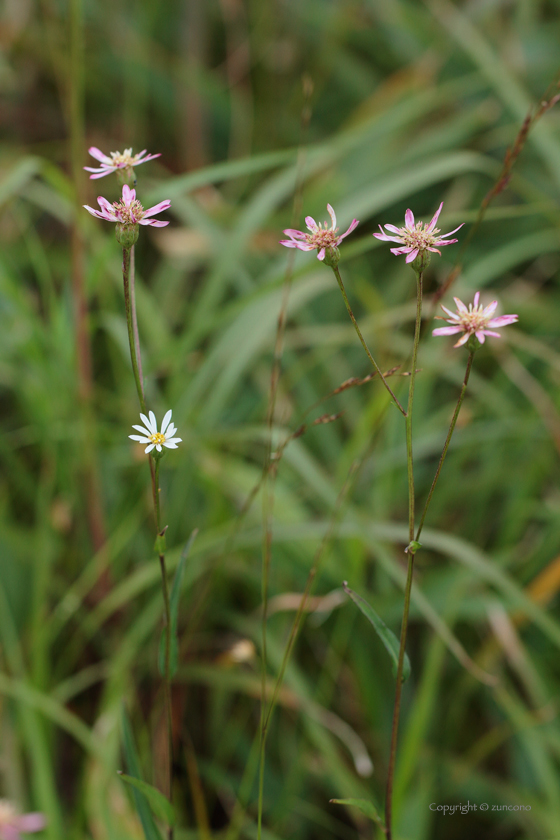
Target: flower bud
{"type": "Point", "coordinates": [127, 235]}
{"type": "Point", "coordinates": [332, 256]}
{"type": "Point", "coordinates": [421, 262]}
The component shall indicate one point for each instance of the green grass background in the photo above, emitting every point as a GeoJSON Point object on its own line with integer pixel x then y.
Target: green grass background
{"type": "Point", "coordinates": [412, 103]}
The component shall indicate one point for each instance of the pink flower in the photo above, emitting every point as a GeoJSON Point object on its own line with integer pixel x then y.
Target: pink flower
{"type": "Point", "coordinates": [118, 160]}
{"type": "Point", "coordinates": [323, 238]}
{"type": "Point", "coordinates": [128, 211]}
{"type": "Point", "coordinates": [416, 237]}
{"type": "Point", "coordinates": [12, 824]}
{"type": "Point", "coordinates": [473, 321]}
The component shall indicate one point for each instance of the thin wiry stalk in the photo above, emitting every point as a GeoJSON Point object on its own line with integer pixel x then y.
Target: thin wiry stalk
{"type": "Point", "coordinates": [410, 554]}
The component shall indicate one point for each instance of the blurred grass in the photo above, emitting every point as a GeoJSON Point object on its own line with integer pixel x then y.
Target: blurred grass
{"type": "Point", "coordinates": [413, 103]}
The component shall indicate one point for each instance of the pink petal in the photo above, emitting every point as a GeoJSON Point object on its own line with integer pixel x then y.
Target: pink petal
{"type": "Point", "coordinates": [398, 251]}
{"type": "Point", "coordinates": [392, 228]}
{"type": "Point", "coordinates": [101, 174]}
{"type": "Point", "coordinates": [451, 231]}
{"type": "Point", "coordinates": [104, 204]}
{"type": "Point", "coordinates": [384, 238]}
{"type": "Point", "coordinates": [288, 243]}
{"type": "Point", "coordinates": [98, 155]}
{"type": "Point", "coordinates": [409, 219]}
{"type": "Point", "coordinates": [412, 256]}
{"type": "Point", "coordinates": [452, 315]}
{"type": "Point", "coordinates": [296, 234]}
{"type": "Point", "coordinates": [311, 224]}
{"type": "Point", "coordinates": [332, 214]}
{"type": "Point", "coordinates": [31, 822]}
{"type": "Point", "coordinates": [489, 332]}
{"type": "Point", "coordinates": [462, 340]}
{"type": "Point", "coordinates": [461, 306]}
{"type": "Point", "coordinates": [432, 224]}
{"type": "Point", "coordinates": [503, 320]}
{"type": "Point", "coordinates": [157, 208]}
{"type": "Point", "coordinates": [447, 330]}
{"type": "Point", "coordinates": [435, 250]}
{"type": "Point", "coordinates": [321, 254]}
{"type": "Point", "coordinates": [352, 227]}
{"type": "Point", "coordinates": [128, 195]}
{"type": "Point", "coordinates": [480, 335]}
{"type": "Point", "coordinates": [442, 242]}
{"type": "Point", "coordinates": [9, 832]}
{"type": "Point", "coordinates": [153, 222]}
{"type": "Point", "coordinates": [476, 299]}
{"type": "Point", "coordinates": [490, 308]}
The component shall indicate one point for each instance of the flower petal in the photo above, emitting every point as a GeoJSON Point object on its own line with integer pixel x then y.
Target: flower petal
{"type": "Point", "coordinates": [31, 822]}
{"type": "Point", "coordinates": [144, 439]}
{"type": "Point", "coordinates": [296, 234]}
{"type": "Point", "coordinates": [165, 421]}
{"type": "Point", "coordinates": [321, 254]}
{"type": "Point", "coordinates": [98, 155]}
{"type": "Point", "coordinates": [409, 219]}
{"type": "Point", "coordinates": [157, 208]}
{"type": "Point", "coordinates": [352, 227]}
{"type": "Point", "coordinates": [488, 310]}
{"type": "Point", "coordinates": [503, 320]}
{"type": "Point", "coordinates": [480, 335]}
{"type": "Point", "coordinates": [447, 330]}
{"type": "Point", "coordinates": [152, 426]}
{"type": "Point", "coordinates": [311, 224]}
{"type": "Point", "coordinates": [332, 214]}
{"type": "Point", "coordinates": [149, 448]}
{"type": "Point", "coordinates": [462, 340]}
{"type": "Point", "coordinates": [412, 256]}
{"type": "Point", "coordinates": [432, 224]}
{"type": "Point", "coordinates": [451, 231]}
{"type": "Point", "coordinates": [461, 306]}
{"type": "Point", "coordinates": [153, 222]}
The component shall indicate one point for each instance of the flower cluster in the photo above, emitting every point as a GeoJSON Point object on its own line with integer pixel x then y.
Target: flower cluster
{"type": "Point", "coordinates": [415, 238]}
{"type": "Point", "coordinates": [323, 238]}
{"type": "Point", "coordinates": [473, 320]}
{"type": "Point", "coordinates": [152, 437]}
{"type": "Point", "coordinates": [118, 161]}
{"type": "Point", "coordinates": [12, 824]}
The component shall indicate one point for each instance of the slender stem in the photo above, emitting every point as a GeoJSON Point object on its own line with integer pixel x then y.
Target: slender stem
{"type": "Point", "coordinates": [363, 341]}
{"type": "Point", "coordinates": [409, 462]}
{"type": "Point", "coordinates": [167, 675]}
{"type": "Point", "coordinates": [134, 319]}
{"type": "Point", "coordinates": [447, 442]}
{"type": "Point", "coordinates": [406, 609]}
{"type": "Point", "coordinates": [397, 706]}
{"type": "Point", "coordinates": [130, 326]}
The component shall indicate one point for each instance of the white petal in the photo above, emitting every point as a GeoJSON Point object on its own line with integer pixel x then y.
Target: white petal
{"type": "Point", "coordinates": [149, 448]}
{"type": "Point", "coordinates": [153, 421]}
{"type": "Point", "coordinates": [152, 427]}
{"type": "Point", "coordinates": [140, 439]}
{"type": "Point", "coordinates": [165, 421]}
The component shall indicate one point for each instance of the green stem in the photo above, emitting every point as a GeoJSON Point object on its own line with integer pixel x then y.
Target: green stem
{"type": "Point", "coordinates": [167, 675]}
{"type": "Point", "coordinates": [406, 609]}
{"type": "Point", "coordinates": [397, 706]}
{"type": "Point", "coordinates": [130, 323]}
{"type": "Point", "coordinates": [447, 442]}
{"type": "Point", "coordinates": [363, 341]}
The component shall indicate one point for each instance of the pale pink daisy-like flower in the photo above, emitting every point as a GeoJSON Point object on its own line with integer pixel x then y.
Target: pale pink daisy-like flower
{"type": "Point", "coordinates": [152, 437]}
{"type": "Point", "coordinates": [322, 237]}
{"type": "Point", "coordinates": [473, 321]}
{"type": "Point", "coordinates": [128, 211]}
{"type": "Point", "coordinates": [117, 161]}
{"type": "Point", "coordinates": [12, 824]}
{"type": "Point", "coordinates": [416, 237]}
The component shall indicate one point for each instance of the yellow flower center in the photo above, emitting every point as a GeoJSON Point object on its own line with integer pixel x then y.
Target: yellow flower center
{"type": "Point", "coordinates": [157, 438]}
{"type": "Point", "coordinates": [123, 159]}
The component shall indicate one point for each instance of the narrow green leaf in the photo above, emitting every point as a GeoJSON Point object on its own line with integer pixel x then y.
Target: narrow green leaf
{"type": "Point", "coordinates": [162, 807]}
{"type": "Point", "coordinates": [142, 807]}
{"type": "Point", "coordinates": [387, 636]}
{"type": "Point", "coordinates": [174, 610]}
{"type": "Point", "coordinates": [365, 806]}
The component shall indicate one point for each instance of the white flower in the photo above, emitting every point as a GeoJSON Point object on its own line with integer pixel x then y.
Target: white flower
{"type": "Point", "coordinates": [152, 437]}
